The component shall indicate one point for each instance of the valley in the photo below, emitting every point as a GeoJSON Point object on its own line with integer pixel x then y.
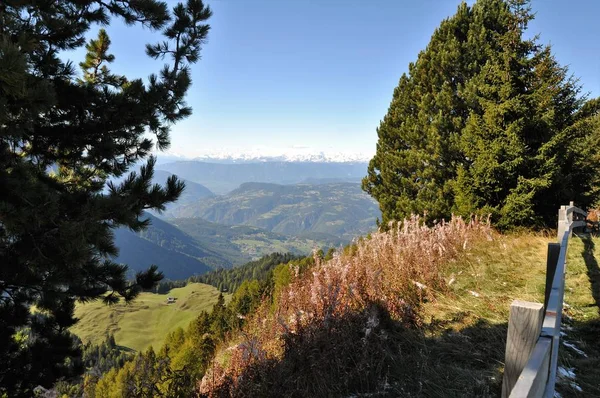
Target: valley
{"type": "Point", "coordinates": [339, 210]}
{"type": "Point", "coordinates": [192, 246]}
{"type": "Point", "coordinates": [203, 231]}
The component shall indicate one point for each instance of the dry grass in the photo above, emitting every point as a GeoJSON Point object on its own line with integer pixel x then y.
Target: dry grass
{"type": "Point", "coordinates": [335, 320]}
{"type": "Point", "coordinates": [491, 275]}
{"type": "Point", "coordinates": [359, 325]}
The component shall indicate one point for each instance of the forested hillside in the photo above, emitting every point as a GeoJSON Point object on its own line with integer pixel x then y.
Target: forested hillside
{"type": "Point", "coordinates": [340, 210]}
{"type": "Point", "coordinates": [229, 280]}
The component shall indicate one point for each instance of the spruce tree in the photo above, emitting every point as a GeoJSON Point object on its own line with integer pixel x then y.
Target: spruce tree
{"type": "Point", "coordinates": [482, 123]}
{"type": "Point", "coordinates": [63, 135]}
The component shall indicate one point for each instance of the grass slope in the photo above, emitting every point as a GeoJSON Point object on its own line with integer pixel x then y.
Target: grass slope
{"type": "Point", "coordinates": [462, 347]}
{"type": "Point", "coordinates": [582, 296]}
{"type": "Point", "coordinates": [146, 321]}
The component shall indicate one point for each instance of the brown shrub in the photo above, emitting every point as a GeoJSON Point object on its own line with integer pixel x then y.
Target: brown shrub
{"type": "Point", "coordinates": [327, 333]}
{"type": "Point", "coordinates": [593, 219]}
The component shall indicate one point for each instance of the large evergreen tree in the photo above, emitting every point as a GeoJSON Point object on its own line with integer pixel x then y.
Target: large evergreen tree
{"type": "Point", "coordinates": [63, 134]}
{"type": "Point", "coordinates": [482, 123]}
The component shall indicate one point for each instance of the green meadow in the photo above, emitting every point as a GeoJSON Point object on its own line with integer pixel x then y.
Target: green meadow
{"type": "Point", "coordinates": [147, 320]}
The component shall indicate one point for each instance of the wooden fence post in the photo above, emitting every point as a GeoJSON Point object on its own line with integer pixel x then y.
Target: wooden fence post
{"type": "Point", "coordinates": [562, 222]}
{"type": "Point", "coordinates": [570, 218]}
{"type": "Point", "coordinates": [551, 263]}
{"type": "Point", "coordinates": [524, 326]}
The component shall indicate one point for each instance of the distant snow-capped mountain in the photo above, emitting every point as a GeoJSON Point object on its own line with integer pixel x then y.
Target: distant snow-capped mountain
{"type": "Point", "coordinates": [281, 155]}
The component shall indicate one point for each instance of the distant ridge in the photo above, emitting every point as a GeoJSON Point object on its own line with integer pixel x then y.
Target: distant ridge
{"type": "Point", "coordinates": [263, 154]}
{"type": "Point", "coordinates": [224, 177]}
{"type": "Point", "coordinates": [314, 158]}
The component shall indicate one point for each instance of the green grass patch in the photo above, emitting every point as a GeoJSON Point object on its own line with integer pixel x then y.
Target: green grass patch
{"type": "Point", "coordinates": [147, 320]}
{"type": "Point", "coordinates": [460, 348]}
{"type": "Point", "coordinates": [459, 351]}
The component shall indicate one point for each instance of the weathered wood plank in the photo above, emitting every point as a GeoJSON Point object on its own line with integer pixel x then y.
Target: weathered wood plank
{"type": "Point", "coordinates": [563, 223]}
{"type": "Point", "coordinates": [533, 378]}
{"type": "Point", "coordinates": [524, 326]}
{"type": "Point", "coordinates": [554, 313]}
{"type": "Point", "coordinates": [537, 376]}
{"type": "Point", "coordinates": [551, 263]}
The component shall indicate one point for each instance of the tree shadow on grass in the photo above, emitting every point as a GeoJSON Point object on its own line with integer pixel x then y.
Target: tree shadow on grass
{"type": "Point", "coordinates": [351, 357]}
{"type": "Point", "coordinates": [586, 337]}
{"type": "Point", "coordinates": [592, 265]}
{"type": "Point", "coordinates": [126, 349]}
{"type": "Point", "coordinates": [585, 334]}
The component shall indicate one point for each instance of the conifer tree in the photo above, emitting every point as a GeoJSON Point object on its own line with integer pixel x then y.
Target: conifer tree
{"type": "Point", "coordinates": [482, 123]}
{"type": "Point", "coordinates": [63, 135]}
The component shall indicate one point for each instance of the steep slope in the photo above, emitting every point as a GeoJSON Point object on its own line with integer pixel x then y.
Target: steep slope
{"type": "Point", "coordinates": [350, 322]}
{"type": "Point", "coordinates": [192, 193]}
{"type": "Point", "coordinates": [138, 253]}
{"type": "Point", "coordinates": [177, 254]}
{"type": "Point", "coordinates": [419, 312]}
{"type": "Point", "coordinates": [222, 178]}
{"type": "Point", "coordinates": [342, 210]}
{"type": "Point", "coordinates": [187, 247]}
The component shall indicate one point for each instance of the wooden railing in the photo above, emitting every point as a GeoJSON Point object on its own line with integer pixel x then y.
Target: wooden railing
{"type": "Point", "coordinates": [533, 337]}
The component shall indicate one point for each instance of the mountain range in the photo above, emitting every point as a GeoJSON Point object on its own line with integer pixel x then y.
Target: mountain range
{"type": "Point", "coordinates": [221, 178]}
{"type": "Point", "coordinates": [270, 154]}
{"type": "Point", "coordinates": [339, 211]}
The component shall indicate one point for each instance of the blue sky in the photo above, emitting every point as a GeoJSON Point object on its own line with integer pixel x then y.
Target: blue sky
{"type": "Point", "coordinates": [320, 73]}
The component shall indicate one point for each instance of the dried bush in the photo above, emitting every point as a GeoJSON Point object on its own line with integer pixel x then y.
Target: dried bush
{"type": "Point", "coordinates": [327, 333]}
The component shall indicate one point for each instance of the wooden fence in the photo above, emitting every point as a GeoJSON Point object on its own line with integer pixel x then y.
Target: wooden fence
{"type": "Point", "coordinates": [534, 329]}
